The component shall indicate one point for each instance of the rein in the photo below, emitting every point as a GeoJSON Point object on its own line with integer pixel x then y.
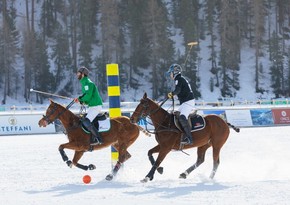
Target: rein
{"type": "Point", "coordinates": [143, 116]}
{"type": "Point", "coordinates": [46, 117]}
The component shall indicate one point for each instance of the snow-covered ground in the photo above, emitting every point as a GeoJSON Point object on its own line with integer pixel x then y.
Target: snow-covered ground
{"type": "Point", "coordinates": [254, 169]}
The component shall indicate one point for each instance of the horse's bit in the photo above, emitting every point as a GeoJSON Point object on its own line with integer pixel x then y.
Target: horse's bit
{"type": "Point", "coordinates": [143, 114]}
{"type": "Point", "coordinates": [46, 117]}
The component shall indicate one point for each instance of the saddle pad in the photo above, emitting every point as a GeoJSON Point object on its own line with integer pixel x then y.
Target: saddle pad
{"type": "Point", "coordinates": [197, 122]}
{"type": "Point", "coordinates": [104, 125]}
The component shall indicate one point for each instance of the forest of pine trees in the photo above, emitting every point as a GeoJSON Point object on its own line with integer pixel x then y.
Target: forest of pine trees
{"type": "Point", "coordinates": [43, 42]}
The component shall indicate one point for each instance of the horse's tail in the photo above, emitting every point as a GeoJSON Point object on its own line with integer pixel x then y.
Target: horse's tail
{"type": "Point", "coordinates": [144, 131]}
{"type": "Point", "coordinates": [234, 127]}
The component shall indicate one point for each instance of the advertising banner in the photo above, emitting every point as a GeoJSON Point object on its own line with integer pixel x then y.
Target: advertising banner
{"type": "Point", "coordinates": [23, 124]}
{"type": "Point", "coordinates": [239, 117]}
{"type": "Point", "coordinates": [262, 117]}
{"type": "Point", "coordinates": [220, 113]}
{"type": "Point", "coordinates": [281, 116]}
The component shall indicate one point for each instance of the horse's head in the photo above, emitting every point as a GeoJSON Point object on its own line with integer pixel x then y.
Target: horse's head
{"type": "Point", "coordinates": [50, 116]}
{"type": "Point", "coordinates": [144, 109]}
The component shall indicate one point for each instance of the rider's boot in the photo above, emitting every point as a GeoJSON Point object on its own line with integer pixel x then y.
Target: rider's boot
{"type": "Point", "coordinates": [187, 138]}
{"type": "Point", "coordinates": [95, 136]}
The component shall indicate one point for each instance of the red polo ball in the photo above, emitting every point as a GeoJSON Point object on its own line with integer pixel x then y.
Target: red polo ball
{"type": "Point", "coordinates": [87, 179]}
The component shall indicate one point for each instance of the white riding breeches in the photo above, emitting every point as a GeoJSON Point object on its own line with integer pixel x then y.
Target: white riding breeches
{"type": "Point", "coordinates": [93, 112]}
{"type": "Point", "coordinates": [187, 107]}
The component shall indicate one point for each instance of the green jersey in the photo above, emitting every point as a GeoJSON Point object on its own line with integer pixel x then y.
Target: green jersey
{"type": "Point", "coordinates": [91, 96]}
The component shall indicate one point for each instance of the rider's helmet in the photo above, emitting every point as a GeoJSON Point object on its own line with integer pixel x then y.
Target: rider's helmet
{"type": "Point", "coordinates": [175, 69]}
{"type": "Point", "coordinates": [84, 70]}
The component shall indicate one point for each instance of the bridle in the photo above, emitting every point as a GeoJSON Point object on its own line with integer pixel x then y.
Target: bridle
{"type": "Point", "coordinates": [54, 109]}
{"type": "Point", "coordinates": [145, 113]}
{"type": "Point", "coordinates": [47, 116]}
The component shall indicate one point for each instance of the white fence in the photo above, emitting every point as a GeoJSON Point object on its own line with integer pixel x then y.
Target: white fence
{"type": "Point", "coordinates": [199, 103]}
{"type": "Point", "coordinates": [16, 120]}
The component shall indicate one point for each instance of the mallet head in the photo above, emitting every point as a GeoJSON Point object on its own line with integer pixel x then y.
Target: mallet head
{"type": "Point", "coordinates": [192, 43]}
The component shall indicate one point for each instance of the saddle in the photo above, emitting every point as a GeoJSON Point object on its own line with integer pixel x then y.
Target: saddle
{"type": "Point", "coordinates": [196, 121]}
{"type": "Point", "coordinates": [101, 122]}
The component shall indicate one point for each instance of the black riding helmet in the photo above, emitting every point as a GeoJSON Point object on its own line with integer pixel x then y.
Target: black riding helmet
{"type": "Point", "coordinates": [84, 70]}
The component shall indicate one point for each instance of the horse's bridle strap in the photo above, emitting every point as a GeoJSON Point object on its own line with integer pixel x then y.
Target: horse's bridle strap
{"type": "Point", "coordinates": [46, 118]}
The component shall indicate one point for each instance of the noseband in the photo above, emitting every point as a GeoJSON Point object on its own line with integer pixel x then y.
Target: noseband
{"type": "Point", "coordinates": [47, 117]}
{"type": "Point", "coordinates": [145, 105]}
{"type": "Point", "coordinates": [144, 113]}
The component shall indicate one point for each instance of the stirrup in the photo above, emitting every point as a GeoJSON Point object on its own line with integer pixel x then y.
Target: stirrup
{"type": "Point", "coordinates": [96, 141]}
{"type": "Point", "coordinates": [186, 141]}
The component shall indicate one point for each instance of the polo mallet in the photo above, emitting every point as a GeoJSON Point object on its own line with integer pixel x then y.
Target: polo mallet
{"type": "Point", "coordinates": [191, 44]}
{"type": "Point", "coordinates": [51, 94]}
{"type": "Point", "coordinates": [70, 104]}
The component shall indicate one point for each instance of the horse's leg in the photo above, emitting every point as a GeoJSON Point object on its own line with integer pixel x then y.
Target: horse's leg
{"type": "Point", "coordinates": [216, 161]}
{"type": "Point", "coordinates": [121, 146]}
{"type": "Point", "coordinates": [151, 158]}
{"type": "Point", "coordinates": [76, 158]}
{"type": "Point", "coordinates": [118, 165]}
{"type": "Point", "coordinates": [127, 156]}
{"type": "Point", "coordinates": [200, 159]}
{"type": "Point", "coordinates": [63, 154]}
{"type": "Point", "coordinates": [162, 154]}
{"type": "Point", "coordinates": [124, 155]}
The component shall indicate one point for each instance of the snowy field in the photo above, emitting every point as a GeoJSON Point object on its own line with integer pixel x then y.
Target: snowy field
{"type": "Point", "coordinates": [254, 169]}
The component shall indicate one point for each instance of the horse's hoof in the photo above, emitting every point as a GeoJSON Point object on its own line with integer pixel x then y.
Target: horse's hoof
{"type": "Point", "coordinates": [212, 175]}
{"type": "Point", "coordinates": [146, 179]}
{"type": "Point", "coordinates": [183, 176]}
{"type": "Point", "coordinates": [69, 163]}
{"type": "Point", "coordinates": [91, 167]}
{"type": "Point", "coordinates": [160, 170]}
{"type": "Point", "coordinates": [109, 177]}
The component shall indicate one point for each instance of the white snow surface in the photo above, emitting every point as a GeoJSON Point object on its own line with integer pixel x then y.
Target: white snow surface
{"type": "Point", "coordinates": [254, 169]}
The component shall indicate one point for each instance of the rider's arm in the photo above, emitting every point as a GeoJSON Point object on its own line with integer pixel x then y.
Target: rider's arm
{"type": "Point", "coordinates": [177, 89]}
{"type": "Point", "coordinates": [87, 94]}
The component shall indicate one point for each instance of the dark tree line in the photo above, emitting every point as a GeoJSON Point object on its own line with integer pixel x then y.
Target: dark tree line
{"type": "Point", "coordinates": [42, 47]}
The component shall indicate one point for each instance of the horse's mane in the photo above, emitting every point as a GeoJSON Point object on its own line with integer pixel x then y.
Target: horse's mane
{"type": "Point", "coordinates": [68, 112]}
{"type": "Point", "coordinates": [157, 105]}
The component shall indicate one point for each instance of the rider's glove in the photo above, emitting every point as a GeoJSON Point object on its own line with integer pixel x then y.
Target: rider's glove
{"type": "Point", "coordinates": [170, 95]}
{"type": "Point", "coordinates": [76, 100]}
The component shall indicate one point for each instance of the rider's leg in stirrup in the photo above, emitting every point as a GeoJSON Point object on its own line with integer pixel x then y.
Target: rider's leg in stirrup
{"type": "Point", "coordinates": [95, 137]}
{"type": "Point", "coordinates": [187, 138]}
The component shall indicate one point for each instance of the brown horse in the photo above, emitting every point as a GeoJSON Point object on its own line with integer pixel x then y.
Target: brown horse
{"type": "Point", "coordinates": [121, 135]}
{"type": "Point", "coordinates": [168, 136]}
